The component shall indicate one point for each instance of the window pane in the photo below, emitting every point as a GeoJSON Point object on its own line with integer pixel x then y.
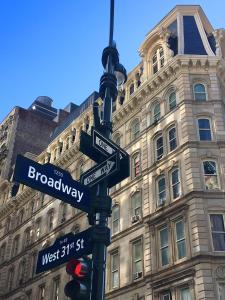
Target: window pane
{"type": "Point", "coordinates": [218, 232]}
{"type": "Point", "coordinates": [210, 172]}
{"type": "Point", "coordinates": [172, 138]}
{"type": "Point", "coordinates": [204, 130]}
{"type": "Point", "coordinates": [180, 230]}
{"type": "Point", "coordinates": [165, 256]}
{"type": "Point", "coordinates": [172, 100]}
{"type": "Point", "coordinates": [156, 112]}
{"type": "Point", "coordinates": [185, 294]}
{"type": "Point", "coordinates": [181, 249]}
{"type": "Point", "coordinates": [199, 88]}
{"type": "Point", "coordinates": [199, 92]}
{"type": "Point", "coordinates": [161, 190]}
{"type": "Point", "coordinates": [159, 147]}
{"type": "Point", "coordinates": [164, 237]}
{"type": "Point", "coordinates": [175, 183]}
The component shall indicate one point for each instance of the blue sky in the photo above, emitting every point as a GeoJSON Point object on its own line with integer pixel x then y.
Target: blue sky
{"type": "Point", "coordinates": [53, 47]}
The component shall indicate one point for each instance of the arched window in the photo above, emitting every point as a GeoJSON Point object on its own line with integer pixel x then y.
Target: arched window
{"type": "Point", "coordinates": [115, 219]}
{"type": "Point", "coordinates": [157, 60]}
{"type": "Point", "coordinates": [175, 183]}
{"type": "Point", "coordinates": [199, 92]}
{"type": "Point", "coordinates": [172, 100]}
{"type": "Point", "coordinates": [30, 209]}
{"type": "Point", "coordinates": [135, 129]}
{"type": "Point", "coordinates": [156, 112]}
{"type": "Point", "coordinates": [7, 225]}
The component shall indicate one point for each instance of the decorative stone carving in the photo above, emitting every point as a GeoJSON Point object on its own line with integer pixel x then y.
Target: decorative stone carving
{"type": "Point", "coordinates": [220, 272]}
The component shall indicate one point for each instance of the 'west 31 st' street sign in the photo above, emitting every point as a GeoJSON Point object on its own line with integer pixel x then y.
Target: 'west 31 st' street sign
{"type": "Point", "coordinates": [53, 181]}
{"type": "Point", "coordinates": [66, 247]}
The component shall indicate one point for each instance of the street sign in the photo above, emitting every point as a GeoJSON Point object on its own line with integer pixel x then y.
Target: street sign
{"type": "Point", "coordinates": [106, 169]}
{"type": "Point", "coordinates": [65, 248]}
{"type": "Point", "coordinates": [52, 180]}
{"type": "Point", "coordinates": [106, 146]}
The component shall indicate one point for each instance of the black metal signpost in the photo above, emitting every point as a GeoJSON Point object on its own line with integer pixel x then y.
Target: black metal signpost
{"type": "Point", "coordinates": [91, 195]}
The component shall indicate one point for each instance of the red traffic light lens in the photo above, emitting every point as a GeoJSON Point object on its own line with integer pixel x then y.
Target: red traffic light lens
{"type": "Point", "coordinates": [77, 268]}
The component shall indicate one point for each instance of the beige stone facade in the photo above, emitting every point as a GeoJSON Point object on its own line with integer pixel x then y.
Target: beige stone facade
{"type": "Point", "coordinates": [168, 220]}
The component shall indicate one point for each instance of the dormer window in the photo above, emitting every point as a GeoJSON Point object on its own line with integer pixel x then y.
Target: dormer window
{"type": "Point", "coordinates": [158, 60]}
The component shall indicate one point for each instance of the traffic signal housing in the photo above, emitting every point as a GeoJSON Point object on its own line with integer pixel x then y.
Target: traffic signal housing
{"type": "Point", "coordinates": [79, 288]}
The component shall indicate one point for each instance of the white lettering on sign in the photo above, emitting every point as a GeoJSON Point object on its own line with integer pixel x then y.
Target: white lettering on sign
{"type": "Point", "coordinates": [64, 251]}
{"type": "Point", "coordinates": [104, 146]}
{"type": "Point", "coordinates": [98, 173]}
{"type": "Point", "coordinates": [55, 184]}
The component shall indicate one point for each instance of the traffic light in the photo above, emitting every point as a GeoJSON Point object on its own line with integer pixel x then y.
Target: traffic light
{"type": "Point", "coordinates": [79, 288]}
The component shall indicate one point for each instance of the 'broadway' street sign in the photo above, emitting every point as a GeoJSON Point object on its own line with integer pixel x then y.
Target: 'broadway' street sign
{"type": "Point", "coordinates": [66, 247]}
{"type": "Point", "coordinates": [53, 181]}
{"type": "Point", "coordinates": [108, 168]}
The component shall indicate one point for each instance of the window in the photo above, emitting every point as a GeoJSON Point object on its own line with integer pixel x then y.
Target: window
{"type": "Point", "coordinates": [33, 262]}
{"type": "Point", "coordinates": [136, 165]}
{"type": "Point", "coordinates": [115, 219]}
{"type": "Point", "coordinates": [10, 279]}
{"type": "Point", "coordinates": [7, 225]}
{"type": "Point", "coordinates": [21, 272]}
{"type": "Point", "coordinates": [20, 217]}
{"type": "Point", "coordinates": [172, 137]}
{"type": "Point", "coordinates": [199, 92]}
{"type": "Point", "coordinates": [157, 60]}
{"type": "Point", "coordinates": [15, 246]}
{"type": "Point", "coordinates": [218, 231]}
{"type": "Point", "coordinates": [41, 292]}
{"type": "Point", "coordinates": [56, 284]}
{"type": "Point", "coordinates": [156, 112]}
{"type": "Point", "coordinates": [164, 246]}
{"type": "Point", "coordinates": [175, 183]}
{"type": "Point", "coordinates": [185, 294]}
{"type": "Point", "coordinates": [2, 253]}
{"type": "Point", "coordinates": [137, 257]}
{"type": "Point", "coordinates": [30, 209]}
{"type": "Point", "coordinates": [38, 229]}
{"type": "Point", "coordinates": [166, 296]}
{"type": "Point", "coordinates": [136, 204]}
{"type": "Point", "coordinates": [27, 237]}
{"type": "Point", "coordinates": [172, 100]}
{"type": "Point", "coordinates": [210, 175]}
{"type": "Point", "coordinates": [63, 211]}
{"type": "Point", "coordinates": [135, 130]}
{"type": "Point", "coordinates": [221, 289]}
{"type": "Point", "coordinates": [50, 219]}
{"type": "Point", "coordinates": [204, 130]}
{"type": "Point", "coordinates": [131, 89]}
{"type": "Point", "coordinates": [159, 147]}
{"type": "Point", "coordinates": [161, 190]}
{"type": "Point", "coordinates": [115, 269]}
{"type": "Point", "coordinates": [180, 239]}
{"type": "Point", "coordinates": [117, 139]}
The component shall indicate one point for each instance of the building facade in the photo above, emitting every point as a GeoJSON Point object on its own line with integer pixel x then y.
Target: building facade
{"type": "Point", "coordinates": [168, 217]}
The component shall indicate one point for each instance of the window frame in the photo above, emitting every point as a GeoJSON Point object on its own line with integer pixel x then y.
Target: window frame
{"type": "Point", "coordinates": [116, 206]}
{"type": "Point", "coordinates": [135, 129]}
{"type": "Point", "coordinates": [159, 155]}
{"type": "Point", "coordinates": [172, 185]}
{"type": "Point", "coordinates": [136, 165]}
{"type": "Point", "coordinates": [217, 232]}
{"type": "Point", "coordinates": [135, 208]}
{"type": "Point", "coordinates": [135, 261]}
{"type": "Point", "coordinates": [157, 60]}
{"type": "Point", "coordinates": [167, 246]}
{"type": "Point", "coordinates": [114, 253]}
{"type": "Point", "coordinates": [217, 175]}
{"type": "Point", "coordinates": [159, 202]}
{"type": "Point", "coordinates": [171, 140]}
{"type": "Point", "coordinates": [205, 93]}
{"type": "Point", "coordinates": [177, 241]}
{"type": "Point", "coordinates": [156, 115]}
{"type": "Point", "coordinates": [203, 129]}
{"type": "Point", "coordinates": [170, 93]}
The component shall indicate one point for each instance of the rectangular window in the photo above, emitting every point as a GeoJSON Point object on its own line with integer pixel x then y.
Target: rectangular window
{"type": "Point", "coordinates": [218, 231]}
{"type": "Point", "coordinates": [204, 130]}
{"type": "Point", "coordinates": [161, 186]}
{"type": "Point", "coordinates": [180, 239]}
{"type": "Point", "coordinates": [115, 219]}
{"type": "Point", "coordinates": [221, 288]}
{"type": "Point", "coordinates": [159, 147]}
{"type": "Point", "coordinates": [172, 139]}
{"type": "Point", "coordinates": [115, 269]}
{"type": "Point", "coordinates": [175, 178]}
{"type": "Point", "coordinates": [210, 175]}
{"type": "Point", "coordinates": [56, 283]}
{"type": "Point", "coordinates": [136, 204]}
{"type": "Point", "coordinates": [164, 246]}
{"type": "Point", "coordinates": [185, 294]}
{"type": "Point", "coordinates": [137, 259]}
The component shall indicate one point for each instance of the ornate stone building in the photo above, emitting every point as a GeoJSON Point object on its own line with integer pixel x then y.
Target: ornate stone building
{"type": "Point", "coordinates": [168, 217]}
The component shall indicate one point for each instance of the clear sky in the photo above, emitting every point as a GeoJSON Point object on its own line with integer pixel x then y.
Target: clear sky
{"type": "Point", "coordinates": [53, 47]}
